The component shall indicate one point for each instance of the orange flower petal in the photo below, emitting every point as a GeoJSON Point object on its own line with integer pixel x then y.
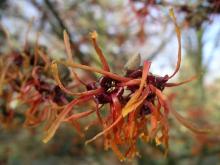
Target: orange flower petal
{"type": "Point", "coordinates": [178, 33]}
{"type": "Point", "coordinates": [94, 36]}
{"type": "Point", "coordinates": [92, 69]}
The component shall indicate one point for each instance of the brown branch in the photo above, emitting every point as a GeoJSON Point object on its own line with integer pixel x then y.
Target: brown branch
{"type": "Point", "coordinates": [56, 15]}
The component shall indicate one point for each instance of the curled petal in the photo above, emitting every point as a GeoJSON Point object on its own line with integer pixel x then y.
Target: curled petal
{"type": "Point", "coordinates": [69, 54]}
{"type": "Point", "coordinates": [178, 33]}
{"type": "Point", "coordinates": [181, 83]}
{"type": "Point", "coordinates": [80, 115]}
{"type": "Point", "coordinates": [92, 69]}
{"type": "Point", "coordinates": [45, 59]}
{"type": "Point", "coordinates": [185, 122]}
{"type": "Point", "coordinates": [130, 83]}
{"type": "Point", "coordinates": [105, 130]}
{"type": "Point", "coordinates": [56, 77]}
{"type": "Point", "coordinates": [2, 76]}
{"type": "Point", "coordinates": [135, 100]}
{"type": "Point", "coordinates": [117, 151]}
{"type": "Point", "coordinates": [93, 36]}
{"type": "Point", "coordinates": [54, 126]}
{"type": "Point", "coordinates": [180, 118]}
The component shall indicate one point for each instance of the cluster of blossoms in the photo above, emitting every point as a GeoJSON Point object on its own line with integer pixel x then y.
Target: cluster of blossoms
{"type": "Point", "coordinates": [128, 107]}
{"type": "Point", "coordinates": [134, 103]}
{"type": "Point", "coordinates": [28, 91]}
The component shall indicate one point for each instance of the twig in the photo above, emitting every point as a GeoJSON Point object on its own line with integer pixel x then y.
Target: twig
{"type": "Point", "coordinates": [55, 13]}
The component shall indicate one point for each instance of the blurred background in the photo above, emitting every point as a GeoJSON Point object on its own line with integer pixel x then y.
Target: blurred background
{"type": "Point", "coordinates": [125, 28]}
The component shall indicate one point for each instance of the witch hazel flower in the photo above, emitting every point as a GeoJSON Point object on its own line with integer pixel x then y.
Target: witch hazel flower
{"type": "Point", "coordinates": [135, 107]}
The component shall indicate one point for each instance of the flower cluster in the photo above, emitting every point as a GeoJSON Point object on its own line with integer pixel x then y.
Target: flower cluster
{"type": "Point", "coordinates": [128, 107]}
{"type": "Point", "coordinates": [27, 88]}
{"type": "Point", "coordinates": [136, 107]}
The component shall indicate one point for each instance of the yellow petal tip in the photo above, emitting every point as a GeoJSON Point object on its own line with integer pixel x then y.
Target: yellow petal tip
{"type": "Point", "coordinates": [93, 34]}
